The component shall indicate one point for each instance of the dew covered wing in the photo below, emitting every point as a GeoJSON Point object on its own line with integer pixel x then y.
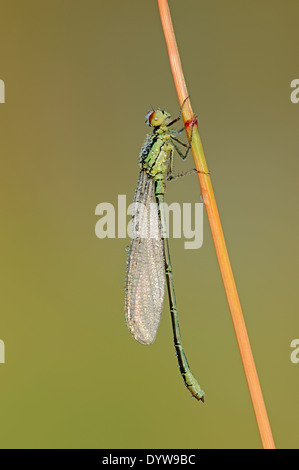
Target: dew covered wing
{"type": "Point", "coordinates": [145, 283]}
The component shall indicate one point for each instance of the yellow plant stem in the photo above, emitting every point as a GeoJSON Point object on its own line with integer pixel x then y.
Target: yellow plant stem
{"type": "Point", "coordinates": [217, 233]}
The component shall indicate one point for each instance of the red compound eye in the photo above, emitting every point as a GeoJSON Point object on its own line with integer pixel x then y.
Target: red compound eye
{"type": "Point", "coordinates": [152, 118]}
{"type": "Point", "coordinates": [156, 118]}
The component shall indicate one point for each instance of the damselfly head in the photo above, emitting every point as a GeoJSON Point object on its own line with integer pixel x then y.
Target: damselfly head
{"type": "Point", "coordinates": [156, 118]}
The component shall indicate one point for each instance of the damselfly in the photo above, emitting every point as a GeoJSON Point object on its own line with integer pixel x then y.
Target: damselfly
{"type": "Point", "coordinates": [149, 257]}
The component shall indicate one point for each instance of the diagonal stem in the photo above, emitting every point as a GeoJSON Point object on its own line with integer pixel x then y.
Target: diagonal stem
{"type": "Point", "coordinates": [217, 233]}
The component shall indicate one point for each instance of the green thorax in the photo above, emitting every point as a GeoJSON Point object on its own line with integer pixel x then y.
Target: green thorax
{"type": "Point", "coordinates": [155, 157]}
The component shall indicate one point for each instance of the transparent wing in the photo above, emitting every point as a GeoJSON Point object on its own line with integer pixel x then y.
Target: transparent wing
{"type": "Point", "coordinates": [145, 284]}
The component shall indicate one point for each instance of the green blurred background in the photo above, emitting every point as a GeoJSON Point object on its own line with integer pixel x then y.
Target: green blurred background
{"type": "Point", "coordinates": [80, 76]}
